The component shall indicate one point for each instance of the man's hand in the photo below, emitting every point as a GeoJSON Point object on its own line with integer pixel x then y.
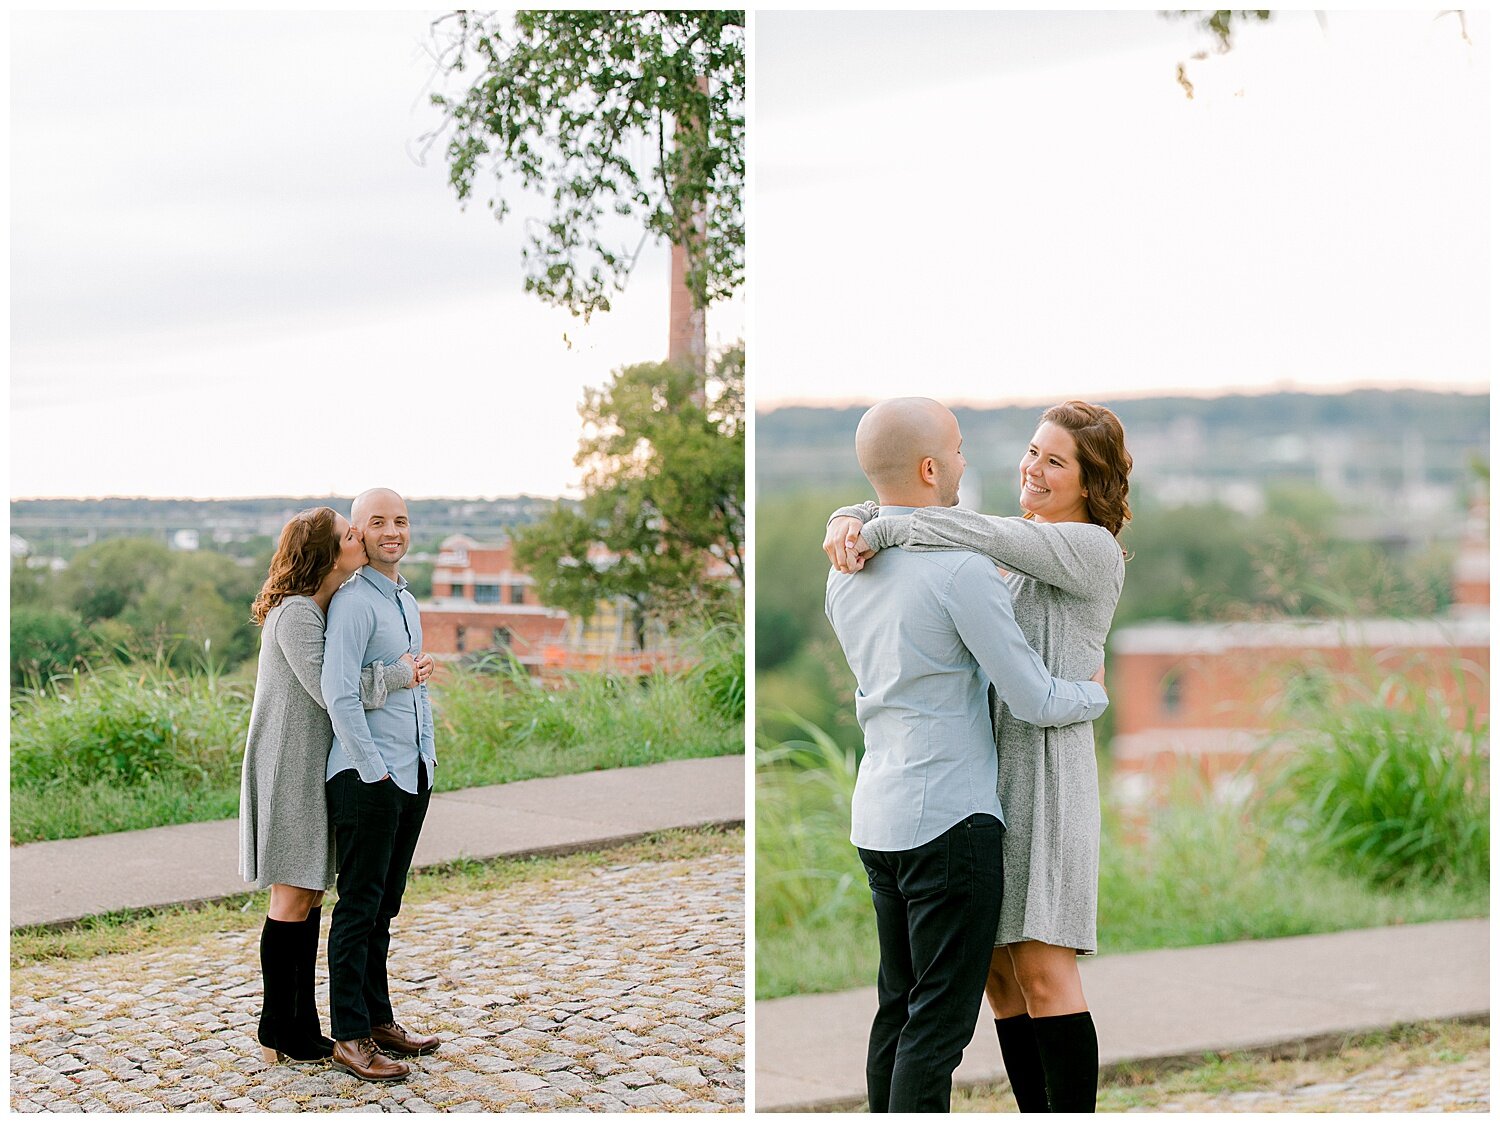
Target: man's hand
{"type": "Point", "coordinates": [845, 546]}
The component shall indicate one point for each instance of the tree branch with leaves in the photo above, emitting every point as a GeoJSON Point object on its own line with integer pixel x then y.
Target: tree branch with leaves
{"type": "Point", "coordinates": [609, 115]}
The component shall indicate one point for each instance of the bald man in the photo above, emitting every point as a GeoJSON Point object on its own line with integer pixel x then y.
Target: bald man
{"type": "Point", "coordinates": [379, 781]}
{"type": "Point", "coordinates": [927, 635]}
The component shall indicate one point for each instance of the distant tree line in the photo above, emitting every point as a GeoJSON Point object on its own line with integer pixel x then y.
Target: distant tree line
{"type": "Point", "coordinates": [130, 598]}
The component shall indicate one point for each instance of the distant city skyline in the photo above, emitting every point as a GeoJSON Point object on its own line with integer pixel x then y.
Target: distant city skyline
{"type": "Point", "coordinates": [244, 283]}
{"type": "Point", "coordinates": [996, 207]}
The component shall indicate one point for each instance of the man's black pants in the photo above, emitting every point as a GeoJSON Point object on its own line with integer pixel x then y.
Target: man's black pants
{"type": "Point", "coordinates": [375, 828]}
{"type": "Point", "coordinates": [936, 910]}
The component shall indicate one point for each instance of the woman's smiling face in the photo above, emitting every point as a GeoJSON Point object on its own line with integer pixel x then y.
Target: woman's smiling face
{"type": "Point", "coordinates": [1051, 480]}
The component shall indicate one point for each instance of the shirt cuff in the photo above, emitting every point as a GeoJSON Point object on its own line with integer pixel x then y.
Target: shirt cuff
{"type": "Point", "coordinates": [371, 770]}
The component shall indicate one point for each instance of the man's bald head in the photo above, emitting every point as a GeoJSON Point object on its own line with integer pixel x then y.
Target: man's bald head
{"type": "Point", "coordinates": [908, 449]}
{"type": "Point", "coordinates": [366, 501]}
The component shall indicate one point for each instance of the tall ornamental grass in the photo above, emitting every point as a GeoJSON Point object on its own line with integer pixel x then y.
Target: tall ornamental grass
{"type": "Point", "coordinates": [814, 927]}
{"type": "Point", "coordinates": [1195, 871]}
{"type": "Point", "coordinates": [125, 747]}
{"type": "Point", "coordinates": [1389, 782]}
{"type": "Point", "coordinates": [144, 745]}
{"type": "Point", "coordinates": [495, 723]}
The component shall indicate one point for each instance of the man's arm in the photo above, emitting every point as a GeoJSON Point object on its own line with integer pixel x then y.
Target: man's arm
{"type": "Point", "coordinates": [424, 707]}
{"type": "Point", "coordinates": [980, 604]}
{"type": "Point", "coordinates": [425, 742]}
{"type": "Point", "coordinates": [350, 626]}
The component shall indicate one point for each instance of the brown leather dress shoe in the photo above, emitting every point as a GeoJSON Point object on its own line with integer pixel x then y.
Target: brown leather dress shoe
{"type": "Point", "coordinates": [398, 1041]}
{"type": "Point", "coordinates": [363, 1058]}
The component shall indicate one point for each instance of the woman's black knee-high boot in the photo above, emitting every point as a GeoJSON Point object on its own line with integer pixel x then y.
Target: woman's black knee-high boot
{"type": "Point", "coordinates": [1023, 1062]}
{"type": "Point", "coordinates": [1069, 1049]}
{"type": "Point", "coordinates": [278, 1032]}
{"type": "Point", "coordinates": [309, 1027]}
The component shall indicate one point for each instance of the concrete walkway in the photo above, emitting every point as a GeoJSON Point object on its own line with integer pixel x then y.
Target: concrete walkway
{"type": "Point", "coordinates": [56, 882]}
{"type": "Point", "coordinates": [1161, 1005]}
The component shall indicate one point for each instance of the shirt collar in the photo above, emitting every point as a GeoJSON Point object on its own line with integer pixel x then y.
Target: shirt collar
{"type": "Point", "coordinates": [896, 509]}
{"type": "Point", "coordinates": [383, 583]}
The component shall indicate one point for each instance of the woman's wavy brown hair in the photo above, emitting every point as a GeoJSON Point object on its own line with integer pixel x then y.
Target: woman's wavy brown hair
{"type": "Point", "coordinates": [1103, 462]}
{"type": "Point", "coordinates": [306, 553]}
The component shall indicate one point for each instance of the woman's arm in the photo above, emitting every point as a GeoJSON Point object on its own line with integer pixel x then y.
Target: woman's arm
{"type": "Point", "coordinates": [1077, 558]}
{"type": "Point", "coordinates": [299, 631]}
{"type": "Point", "coordinates": [843, 528]}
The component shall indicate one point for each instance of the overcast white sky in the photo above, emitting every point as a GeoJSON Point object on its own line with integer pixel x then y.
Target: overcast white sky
{"type": "Point", "coordinates": [1010, 206]}
{"type": "Point", "coordinates": [231, 277]}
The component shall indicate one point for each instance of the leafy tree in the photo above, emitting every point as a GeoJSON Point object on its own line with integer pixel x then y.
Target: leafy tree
{"type": "Point", "coordinates": [634, 114]}
{"type": "Point", "coordinates": [664, 497]}
{"type": "Point", "coordinates": [29, 585]}
{"type": "Point", "coordinates": [646, 433]}
{"type": "Point", "coordinates": [104, 578]}
{"type": "Point", "coordinates": [197, 610]}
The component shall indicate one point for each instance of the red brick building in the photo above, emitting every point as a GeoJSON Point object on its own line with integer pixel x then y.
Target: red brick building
{"type": "Point", "coordinates": [1205, 695]}
{"type": "Point", "coordinates": [481, 602]}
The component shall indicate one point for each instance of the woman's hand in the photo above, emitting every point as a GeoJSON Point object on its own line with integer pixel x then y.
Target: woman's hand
{"type": "Point", "coordinates": [421, 668]}
{"type": "Point", "coordinates": [845, 546]}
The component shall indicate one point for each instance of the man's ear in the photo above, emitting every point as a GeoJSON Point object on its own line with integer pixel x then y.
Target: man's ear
{"type": "Point", "coordinates": [927, 471]}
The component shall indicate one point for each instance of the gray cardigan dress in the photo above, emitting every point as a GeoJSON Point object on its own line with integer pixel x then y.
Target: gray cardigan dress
{"type": "Point", "coordinates": [284, 835]}
{"type": "Point", "coordinates": [1066, 579]}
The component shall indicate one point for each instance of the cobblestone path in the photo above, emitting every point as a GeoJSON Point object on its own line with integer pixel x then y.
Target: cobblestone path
{"type": "Point", "coordinates": [613, 990]}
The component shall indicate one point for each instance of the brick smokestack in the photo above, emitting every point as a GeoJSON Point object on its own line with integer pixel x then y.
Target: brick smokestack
{"type": "Point", "coordinates": [687, 343]}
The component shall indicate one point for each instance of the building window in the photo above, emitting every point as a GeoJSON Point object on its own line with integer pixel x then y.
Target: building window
{"type": "Point", "coordinates": [486, 594]}
{"type": "Point", "coordinates": [500, 639]}
{"type": "Point", "coordinates": [455, 590]}
{"type": "Point", "coordinates": [1171, 695]}
{"type": "Point", "coordinates": [458, 638]}
{"type": "Point", "coordinates": [518, 594]}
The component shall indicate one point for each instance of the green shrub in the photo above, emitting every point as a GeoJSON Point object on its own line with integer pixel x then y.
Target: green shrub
{"type": "Point", "coordinates": [720, 672]}
{"type": "Point", "coordinates": [1381, 783]}
{"type": "Point", "coordinates": [44, 643]}
{"type": "Point", "coordinates": [127, 725]}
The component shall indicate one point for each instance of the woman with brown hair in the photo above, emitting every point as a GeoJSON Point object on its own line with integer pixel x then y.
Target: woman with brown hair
{"type": "Point", "coordinates": [285, 842]}
{"type": "Point", "coordinates": [1065, 569]}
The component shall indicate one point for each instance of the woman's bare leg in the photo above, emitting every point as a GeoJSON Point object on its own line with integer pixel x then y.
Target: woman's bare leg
{"type": "Point", "coordinates": [1048, 977]}
{"type": "Point", "coordinates": [292, 903]}
{"type": "Point", "coordinates": [1001, 988]}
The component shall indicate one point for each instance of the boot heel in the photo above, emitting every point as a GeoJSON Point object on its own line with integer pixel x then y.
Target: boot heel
{"type": "Point", "coordinates": [272, 1056]}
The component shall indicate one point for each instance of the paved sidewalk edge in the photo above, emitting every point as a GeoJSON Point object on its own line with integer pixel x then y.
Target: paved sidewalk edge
{"type": "Point", "coordinates": [1315, 1045]}
{"type": "Point", "coordinates": [579, 846]}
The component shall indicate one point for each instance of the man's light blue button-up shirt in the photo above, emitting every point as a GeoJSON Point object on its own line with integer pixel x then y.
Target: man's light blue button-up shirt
{"type": "Point", "coordinates": [926, 634]}
{"type": "Point", "coordinates": [370, 619]}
